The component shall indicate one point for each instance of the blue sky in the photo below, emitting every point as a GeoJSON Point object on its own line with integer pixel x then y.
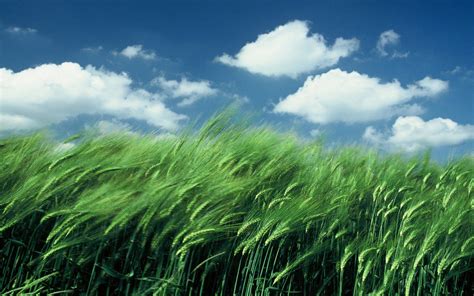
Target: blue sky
{"type": "Point", "coordinates": [396, 75]}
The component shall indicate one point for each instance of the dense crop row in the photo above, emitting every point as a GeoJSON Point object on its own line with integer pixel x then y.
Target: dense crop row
{"type": "Point", "coordinates": [230, 211]}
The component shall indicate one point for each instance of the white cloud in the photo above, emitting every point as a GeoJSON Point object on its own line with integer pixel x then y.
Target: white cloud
{"type": "Point", "coordinates": [51, 93]}
{"type": "Point", "coordinates": [93, 49]}
{"type": "Point", "coordinates": [18, 30]}
{"type": "Point", "coordinates": [455, 70]}
{"type": "Point", "coordinates": [461, 72]}
{"type": "Point", "coordinates": [188, 91]}
{"type": "Point", "coordinates": [411, 134]}
{"type": "Point", "coordinates": [15, 121]}
{"type": "Point", "coordinates": [387, 38]}
{"type": "Point", "coordinates": [428, 87]}
{"type": "Point", "coordinates": [400, 55]}
{"type": "Point", "coordinates": [289, 50]}
{"type": "Point", "coordinates": [339, 96]}
{"type": "Point", "coordinates": [136, 51]}
{"type": "Point", "coordinates": [373, 136]}
{"type": "Point", "coordinates": [238, 98]}
{"type": "Point", "coordinates": [105, 127]}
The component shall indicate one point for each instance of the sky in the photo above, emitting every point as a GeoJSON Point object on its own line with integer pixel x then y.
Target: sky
{"type": "Point", "coordinates": [397, 76]}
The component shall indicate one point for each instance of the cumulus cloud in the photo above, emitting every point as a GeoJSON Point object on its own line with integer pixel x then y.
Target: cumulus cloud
{"type": "Point", "coordinates": [50, 93]}
{"type": "Point", "coordinates": [186, 90]}
{"type": "Point", "coordinates": [289, 50]}
{"type": "Point", "coordinates": [387, 39]}
{"type": "Point", "coordinates": [136, 51]}
{"type": "Point", "coordinates": [19, 30]}
{"type": "Point", "coordinates": [351, 97]}
{"type": "Point", "coordinates": [411, 134]}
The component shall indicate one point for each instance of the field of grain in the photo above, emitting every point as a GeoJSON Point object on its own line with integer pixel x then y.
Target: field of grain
{"type": "Point", "coordinates": [230, 210]}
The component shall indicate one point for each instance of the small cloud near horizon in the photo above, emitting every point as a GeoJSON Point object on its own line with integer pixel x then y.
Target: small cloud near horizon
{"type": "Point", "coordinates": [188, 91]}
{"type": "Point", "coordinates": [412, 134]}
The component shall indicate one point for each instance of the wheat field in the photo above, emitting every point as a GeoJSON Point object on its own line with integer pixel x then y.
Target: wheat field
{"type": "Point", "coordinates": [230, 210]}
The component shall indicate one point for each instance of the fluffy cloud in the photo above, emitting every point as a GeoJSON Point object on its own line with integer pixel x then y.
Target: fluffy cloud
{"type": "Point", "coordinates": [389, 38]}
{"type": "Point", "coordinates": [136, 51]}
{"type": "Point", "coordinates": [339, 96]}
{"type": "Point", "coordinates": [289, 50]}
{"type": "Point", "coordinates": [51, 93]}
{"type": "Point", "coordinates": [18, 30]}
{"type": "Point", "coordinates": [411, 134]}
{"type": "Point", "coordinates": [188, 91]}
